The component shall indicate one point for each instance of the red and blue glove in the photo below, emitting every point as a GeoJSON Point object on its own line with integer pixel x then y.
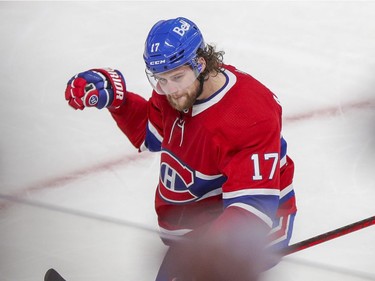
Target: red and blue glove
{"type": "Point", "coordinates": [102, 87]}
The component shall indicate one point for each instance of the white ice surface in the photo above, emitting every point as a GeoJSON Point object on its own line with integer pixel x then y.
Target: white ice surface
{"type": "Point", "coordinates": [318, 57]}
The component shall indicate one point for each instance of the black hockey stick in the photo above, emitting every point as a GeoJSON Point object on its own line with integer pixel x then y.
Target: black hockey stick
{"type": "Point", "coordinates": [53, 275]}
{"type": "Point", "coordinates": [328, 236]}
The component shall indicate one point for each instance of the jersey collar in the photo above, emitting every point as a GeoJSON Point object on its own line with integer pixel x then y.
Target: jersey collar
{"type": "Point", "coordinates": [202, 105]}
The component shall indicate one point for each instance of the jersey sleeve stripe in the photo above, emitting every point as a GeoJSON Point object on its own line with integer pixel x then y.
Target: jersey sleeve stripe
{"type": "Point", "coordinates": [283, 161]}
{"type": "Point", "coordinates": [265, 204]}
{"type": "Point", "coordinates": [154, 132]}
{"type": "Point", "coordinates": [153, 138]}
{"type": "Point", "coordinates": [286, 190]}
{"type": "Point", "coordinates": [143, 147]}
{"type": "Point", "coordinates": [283, 150]}
{"type": "Point", "coordinates": [212, 193]}
{"type": "Point", "coordinates": [281, 232]}
{"type": "Point", "coordinates": [176, 232]}
{"type": "Point", "coordinates": [253, 191]}
{"type": "Point", "coordinates": [254, 211]}
{"type": "Point", "coordinates": [207, 177]}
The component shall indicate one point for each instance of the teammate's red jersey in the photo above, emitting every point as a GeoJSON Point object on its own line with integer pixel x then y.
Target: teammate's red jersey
{"type": "Point", "coordinates": [225, 152]}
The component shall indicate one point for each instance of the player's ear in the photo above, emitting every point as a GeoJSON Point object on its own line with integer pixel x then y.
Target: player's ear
{"type": "Point", "coordinates": [201, 64]}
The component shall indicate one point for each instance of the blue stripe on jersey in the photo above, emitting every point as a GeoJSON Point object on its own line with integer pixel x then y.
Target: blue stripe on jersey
{"type": "Point", "coordinates": [266, 204]}
{"type": "Point", "coordinates": [287, 236]}
{"type": "Point", "coordinates": [283, 148]}
{"type": "Point", "coordinates": [286, 197]}
{"type": "Point", "coordinates": [151, 141]}
{"type": "Point", "coordinates": [203, 186]}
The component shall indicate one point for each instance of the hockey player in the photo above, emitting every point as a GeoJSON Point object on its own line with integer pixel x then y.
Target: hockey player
{"type": "Point", "coordinates": [225, 185]}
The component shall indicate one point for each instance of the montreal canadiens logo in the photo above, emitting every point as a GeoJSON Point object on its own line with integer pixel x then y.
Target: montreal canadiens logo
{"type": "Point", "coordinates": [93, 100]}
{"type": "Point", "coordinates": [175, 180]}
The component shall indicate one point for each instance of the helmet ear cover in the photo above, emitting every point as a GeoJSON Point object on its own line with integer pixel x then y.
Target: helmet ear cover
{"type": "Point", "coordinates": [200, 63]}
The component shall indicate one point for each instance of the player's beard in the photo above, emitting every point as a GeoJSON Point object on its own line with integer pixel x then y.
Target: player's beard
{"type": "Point", "coordinates": [187, 99]}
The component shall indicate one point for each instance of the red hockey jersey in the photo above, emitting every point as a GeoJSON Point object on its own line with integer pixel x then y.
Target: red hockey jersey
{"type": "Point", "coordinates": [225, 152]}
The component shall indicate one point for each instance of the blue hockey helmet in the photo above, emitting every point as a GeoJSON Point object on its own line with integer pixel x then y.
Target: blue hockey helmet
{"type": "Point", "coordinates": [171, 44]}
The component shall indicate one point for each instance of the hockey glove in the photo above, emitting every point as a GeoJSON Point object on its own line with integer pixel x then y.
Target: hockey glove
{"type": "Point", "coordinates": [98, 88]}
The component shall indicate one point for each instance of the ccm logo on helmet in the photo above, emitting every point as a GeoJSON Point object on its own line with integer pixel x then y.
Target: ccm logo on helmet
{"type": "Point", "coordinates": [157, 62]}
{"type": "Point", "coordinates": [181, 30]}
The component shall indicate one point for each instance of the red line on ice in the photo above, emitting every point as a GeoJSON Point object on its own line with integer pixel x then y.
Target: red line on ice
{"type": "Point", "coordinates": [329, 111]}
{"type": "Point", "coordinates": [71, 177]}
{"type": "Point", "coordinates": [78, 174]}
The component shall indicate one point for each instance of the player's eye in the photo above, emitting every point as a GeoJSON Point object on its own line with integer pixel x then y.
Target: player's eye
{"type": "Point", "coordinates": [163, 81]}
{"type": "Point", "coordinates": [160, 80]}
{"type": "Point", "coordinates": [177, 78]}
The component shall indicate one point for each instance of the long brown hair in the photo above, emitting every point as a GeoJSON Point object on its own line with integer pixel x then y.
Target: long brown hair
{"type": "Point", "coordinates": [213, 58]}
